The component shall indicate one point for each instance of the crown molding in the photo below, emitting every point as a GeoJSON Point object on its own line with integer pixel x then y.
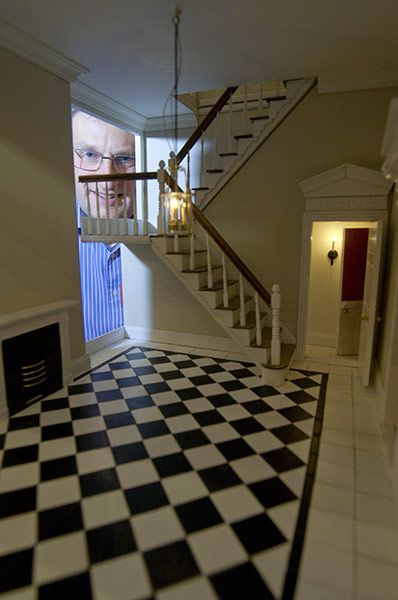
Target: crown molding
{"type": "Point", "coordinates": [42, 55]}
{"type": "Point", "coordinates": [160, 124]}
{"type": "Point", "coordinates": [383, 78]}
{"type": "Point", "coordinates": [346, 181]}
{"type": "Point", "coordinates": [100, 105]}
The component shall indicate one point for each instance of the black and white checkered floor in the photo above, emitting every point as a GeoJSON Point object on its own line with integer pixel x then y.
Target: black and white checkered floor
{"type": "Point", "coordinates": [160, 475]}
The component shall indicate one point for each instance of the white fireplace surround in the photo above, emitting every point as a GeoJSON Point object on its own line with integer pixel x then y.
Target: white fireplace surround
{"type": "Point", "coordinates": [17, 323]}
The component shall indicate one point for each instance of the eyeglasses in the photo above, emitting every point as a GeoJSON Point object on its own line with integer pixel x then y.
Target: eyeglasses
{"type": "Point", "coordinates": [88, 160]}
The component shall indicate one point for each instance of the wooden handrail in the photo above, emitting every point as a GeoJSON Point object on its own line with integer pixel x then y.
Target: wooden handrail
{"type": "Point", "coordinates": [223, 244]}
{"type": "Point", "coordinates": [119, 176]}
{"type": "Point", "coordinates": [211, 115]}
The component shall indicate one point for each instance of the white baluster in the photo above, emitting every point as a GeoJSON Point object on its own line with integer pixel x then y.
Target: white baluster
{"type": "Point", "coordinates": [176, 242]}
{"type": "Point", "coordinates": [259, 337]}
{"type": "Point", "coordinates": [244, 108]}
{"type": "Point", "coordinates": [202, 161]}
{"type": "Point", "coordinates": [90, 220]}
{"type": "Point", "coordinates": [108, 223]}
{"type": "Point", "coordinates": [116, 215]}
{"type": "Point", "coordinates": [135, 220]}
{"type": "Point", "coordinates": [242, 318]}
{"type": "Point", "coordinates": [144, 191]}
{"type": "Point", "coordinates": [192, 252]}
{"type": "Point", "coordinates": [276, 335]}
{"type": "Point", "coordinates": [98, 208]}
{"type": "Point", "coordinates": [215, 142]}
{"type": "Point", "coordinates": [209, 270]}
{"type": "Point", "coordinates": [161, 208]}
{"type": "Point", "coordinates": [224, 282]}
{"type": "Point", "coordinates": [230, 136]}
{"type": "Point", "coordinates": [126, 227]}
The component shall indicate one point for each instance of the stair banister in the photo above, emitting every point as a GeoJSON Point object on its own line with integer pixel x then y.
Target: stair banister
{"type": "Point", "coordinates": [276, 336]}
{"type": "Point", "coordinates": [97, 208]}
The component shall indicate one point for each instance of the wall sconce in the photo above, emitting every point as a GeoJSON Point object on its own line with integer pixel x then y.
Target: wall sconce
{"type": "Point", "coordinates": [332, 254]}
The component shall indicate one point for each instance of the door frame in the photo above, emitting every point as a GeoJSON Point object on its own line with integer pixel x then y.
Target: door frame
{"type": "Point", "coordinates": [309, 218]}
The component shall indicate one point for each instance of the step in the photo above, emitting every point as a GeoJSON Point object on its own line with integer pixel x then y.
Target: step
{"type": "Point", "coordinates": [181, 260]}
{"type": "Point", "coordinates": [247, 333]}
{"type": "Point", "coordinates": [275, 106]}
{"type": "Point", "coordinates": [214, 296]}
{"type": "Point", "coordinates": [228, 159]}
{"type": "Point", "coordinates": [231, 314]}
{"type": "Point", "coordinates": [197, 279]}
{"type": "Point", "coordinates": [165, 243]}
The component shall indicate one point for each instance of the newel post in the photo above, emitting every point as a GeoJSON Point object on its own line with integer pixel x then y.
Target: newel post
{"type": "Point", "coordinates": [161, 182]}
{"type": "Point", "coordinates": [276, 335]}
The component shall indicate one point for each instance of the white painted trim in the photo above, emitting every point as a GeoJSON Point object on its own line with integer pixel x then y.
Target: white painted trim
{"type": "Point", "coordinates": [103, 341]}
{"type": "Point", "coordinates": [346, 180]}
{"type": "Point", "coordinates": [308, 219]}
{"type": "Point", "coordinates": [319, 338]}
{"type": "Point", "coordinates": [80, 365]}
{"type": "Point", "coordinates": [192, 340]}
{"type": "Point", "coordinates": [163, 124]}
{"type": "Point", "coordinates": [40, 54]}
{"type": "Point", "coordinates": [100, 105]}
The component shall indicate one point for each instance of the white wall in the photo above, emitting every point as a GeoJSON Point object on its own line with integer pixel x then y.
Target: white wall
{"type": "Point", "coordinates": [325, 281]}
{"type": "Point", "coordinates": [38, 238]}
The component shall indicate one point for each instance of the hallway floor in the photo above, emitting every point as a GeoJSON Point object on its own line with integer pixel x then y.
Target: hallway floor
{"type": "Point", "coordinates": [171, 472]}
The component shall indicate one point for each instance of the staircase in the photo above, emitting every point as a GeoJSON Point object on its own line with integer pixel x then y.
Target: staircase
{"type": "Point", "coordinates": [203, 261]}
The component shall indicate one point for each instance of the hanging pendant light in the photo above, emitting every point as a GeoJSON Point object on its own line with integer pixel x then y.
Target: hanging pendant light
{"type": "Point", "coordinates": [177, 204]}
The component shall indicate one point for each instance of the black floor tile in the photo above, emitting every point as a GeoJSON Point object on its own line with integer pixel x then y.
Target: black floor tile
{"type": "Point", "coordinates": [247, 426]}
{"type": "Point", "coordinates": [189, 393]}
{"type": "Point", "coordinates": [153, 429]}
{"type": "Point", "coordinates": [271, 492]}
{"type": "Point", "coordinates": [241, 373]}
{"type": "Point", "coordinates": [54, 404]}
{"type": "Point", "coordinates": [282, 460]}
{"type": "Point", "coordinates": [198, 514]}
{"type": "Point", "coordinates": [157, 388]}
{"type": "Point", "coordinates": [77, 586]}
{"type": "Point", "coordinates": [16, 423]}
{"type": "Point", "coordinates": [234, 449]}
{"type": "Point", "coordinates": [124, 382]}
{"type": "Point", "coordinates": [170, 375]}
{"type": "Point", "coordinates": [139, 402]}
{"type": "Point", "coordinates": [256, 407]}
{"type": "Point", "coordinates": [107, 395]}
{"type": "Point", "coordinates": [60, 520]}
{"type": "Point", "coordinates": [121, 364]}
{"type": "Point", "coordinates": [295, 413]}
{"type": "Point", "coordinates": [219, 400]}
{"type": "Point", "coordinates": [289, 434]}
{"type": "Point", "coordinates": [121, 419]}
{"type": "Point", "coordinates": [219, 477]}
{"type": "Point", "coordinates": [129, 452]}
{"type": "Point", "coordinates": [109, 541]}
{"type": "Point", "coordinates": [258, 533]}
{"type": "Point", "coordinates": [191, 439]}
{"type": "Point", "coordinates": [305, 382]}
{"type": "Point", "coordinates": [16, 570]}
{"type": "Point", "coordinates": [147, 370]}
{"type": "Point", "coordinates": [300, 397]}
{"type": "Point", "coordinates": [264, 390]}
{"type": "Point", "coordinates": [170, 564]}
{"type": "Point", "coordinates": [53, 432]}
{"type": "Point", "coordinates": [80, 388]}
{"type": "Point", "coordinates": [58, 467]}
{"type": "Point", "coordinates": [146, 497]}
{"type": "Point", "coordinates": [241, 582]}
{"type": "Point", "coordinates": [99, 482]}
{"type": "Point", "coordinates": [18, 501]}
{"type": "Point", "coordinates": [101, 376]}
{"type": "Point", "coordinates": [233, 385]}
{"type": "Point", "coordinates": [208, 417]}
{"type": "Point", "coordinates": [201, 380]}
{"type": "Point", "coordinates": [172, 464]}
{"type": "Point", "coordinates": [22, 455]}
{"type": "Point", "coordinates": [173, 410]}
{"type": "Point", "coordinates": [91, 441]}
{"type": "Point", "coordinates": [85, 412]}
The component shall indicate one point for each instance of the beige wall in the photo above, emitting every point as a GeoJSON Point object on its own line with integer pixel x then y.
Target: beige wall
{"type": "Point", "coordinates": [260, 211]}
{"type": "Point", "coordinates": [155, 299]}
{"type": "Point", "coordinates": [38, 241]}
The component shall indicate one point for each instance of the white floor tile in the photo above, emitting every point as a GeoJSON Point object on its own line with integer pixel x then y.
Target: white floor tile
{"type": "Point", "coordinates": [217, 549]}
{"type": "Point", "coordinates": [377, 579]}
{"type": "Point", "coordinates": [124, 578]}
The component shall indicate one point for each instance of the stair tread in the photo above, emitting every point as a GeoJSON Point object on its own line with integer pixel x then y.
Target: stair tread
{"type": "Point", "coordinates": [185, 252]}
{"type": "Point", "coordinates": [233, 303]}
{"type": "Point", "coordinates": [201, 269]}
{"type": "Point", "coordinates": [250, 320]}
{"type": "Point", "coordinates": [286, 355]}
{"type": "Point", "coordinates": [217, 286]}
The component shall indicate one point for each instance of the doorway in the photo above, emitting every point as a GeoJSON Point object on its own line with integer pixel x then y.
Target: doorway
{"type": "Point", "coordinates": [336, 285]}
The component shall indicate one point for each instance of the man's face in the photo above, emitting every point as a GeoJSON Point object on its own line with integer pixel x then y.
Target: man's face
{"type": "Point", "coordinates": [91, 135]}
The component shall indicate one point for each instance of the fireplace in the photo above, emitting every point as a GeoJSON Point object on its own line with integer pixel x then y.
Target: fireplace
{"type": "Point", "coordinates": [34, 355]}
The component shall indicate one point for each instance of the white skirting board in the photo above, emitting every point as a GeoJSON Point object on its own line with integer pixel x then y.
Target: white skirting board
{"type": "Point", "coordinates": [103, 341]}
{"type": "Point", "coordinates": [79, 365]}
{"type": "Point", "coordinates": [193, 340]}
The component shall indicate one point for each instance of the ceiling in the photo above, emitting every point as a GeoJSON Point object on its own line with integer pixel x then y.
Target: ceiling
{"type": "Point", "coordinates": [127, 45]}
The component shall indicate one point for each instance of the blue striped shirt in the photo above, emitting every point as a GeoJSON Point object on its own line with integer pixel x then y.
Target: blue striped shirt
{"type": "Point", "coordinates": [101, 284]}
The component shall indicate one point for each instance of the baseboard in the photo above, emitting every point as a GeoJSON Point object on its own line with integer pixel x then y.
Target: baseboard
{"type": "Point", "coordinates": [193, 340]}
{"type": "Point", "coordinates": [80, 365]}
{"type": "Point", "coordinates": [318, 338]}
{"type": "Point", "coordinates": [103, 341]}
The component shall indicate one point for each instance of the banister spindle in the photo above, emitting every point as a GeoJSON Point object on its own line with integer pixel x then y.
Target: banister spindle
{"type": "Point", "coordinates": [108, 222]}
{"type": "Point", "coordinates": [230, 136]}
{"type": "Point", "coordinates": [209, 269]}
{"type": "Point", "coordinates": [259, 337]}
{"type": "Point", "coordinates": [202, 160]}
{"type": "Point", "coordinates": [98, 208]}
{"type": "Point", "coordinates": [224, 282]}
{"type": "Point", "coordinates": [176, 242]}
{"type": "Point", "coordinates": [245, 108]}
{"type": "Point", "coordinates": [242, 316]}
{"type": "Point", "coordinates": [215, 142]}
{"type": "Point", "coordinates": [161, 211]}
{"type": "Point", "coordinates": [192, 252]}
{"type": "Point", "coordinates": [276, 335]}
{"type": "Point", "coordinates": [126, 227]}
{"type": "Point", "coordinates": [90, 219]}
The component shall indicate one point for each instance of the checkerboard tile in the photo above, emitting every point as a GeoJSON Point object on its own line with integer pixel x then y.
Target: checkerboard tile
{"type": "Point", "coordinates": [158, 475]}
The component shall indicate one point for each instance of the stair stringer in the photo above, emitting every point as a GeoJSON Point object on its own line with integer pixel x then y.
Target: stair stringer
{"type": "Point", "coordinates": [271, 375]}
{"type": "Point", "coordinates": [299, 89]}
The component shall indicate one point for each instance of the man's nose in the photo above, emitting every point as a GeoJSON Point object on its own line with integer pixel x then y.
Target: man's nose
{"type": "Point", "coordinates": [107, 166]}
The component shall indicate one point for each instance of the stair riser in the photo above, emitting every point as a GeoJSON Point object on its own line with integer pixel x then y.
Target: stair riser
{"type": "Point", "coordinates": [275, 107]}
{"type": "Point", "coordinates": [258, 126]}
{"type": "Point", "coordinates": [213, 299]}
{"type": "Point", "coordinates": [228, 161]}
{"type": "Point", "coordinates": [248, 335]}
{"type": "Point", "coordinates": [198, 280]}
{"type": "Point", "coordinates": [243, 144]}
{"type": "Point", "coordinates": [230, 317]}
{"type": "Point", "coordinates": [166, 244]}
{"type": "Point", "coordinates": [259, 355]}
{"type": "Point", "coordinates": [182, 261]}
